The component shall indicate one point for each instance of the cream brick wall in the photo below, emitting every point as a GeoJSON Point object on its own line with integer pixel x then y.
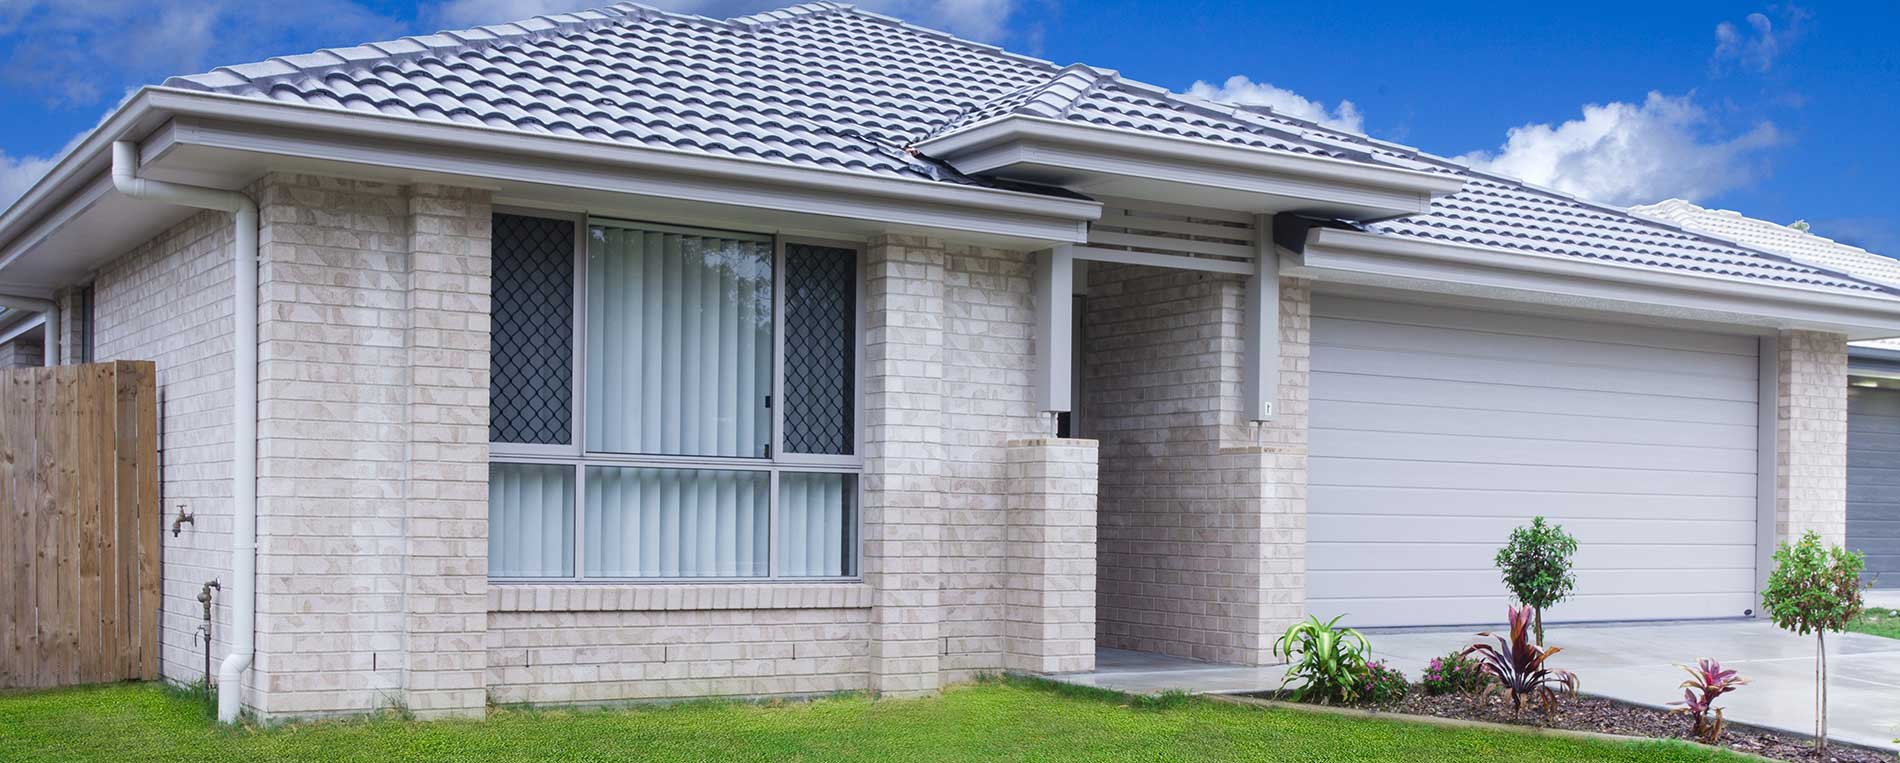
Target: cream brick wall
{"type": "Point", "coordinates": [1811, 436]}
{"type": "Point", "coordinates": [169, 301]}
{"type": "Point", "coordinates": [903, 461]}
{"type": "Point", "coordinates": [988, 400]}
{"type": "Point", "coordinates": [1202, 517]}
{"type": "Point", "coordinates": [558, 644]}
{"type": "Point", "coordinates": [1049, 574]}
{"type": "Point", "coordinates": [21, 353]}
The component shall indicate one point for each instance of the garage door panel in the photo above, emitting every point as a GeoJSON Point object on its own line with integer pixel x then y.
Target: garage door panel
{"type": "Point", "coordinates": [1331, 306]}
{"type": "Point", "coordinates": [1877, 407]}
{"type": "Point", "coordinates": [1875, 447]}
{"type": "Point", "coordinates": [1667, 561]}
{"type": "Point", "coordinates": [1872, 496]}
{"type": "Point", "coordinates": [1872, 525]}
{"type": "Point", "coordinates": [1328, 385]}
{"type": "Point", "coordinates": [1489, 610]}
{"type": "Point", "coordinates": [1561, 354]}
{"type": "Point", "coordinates": [1432, 419]}
{"type": "Point", "coordinates": [1344, 500]}
{"type": "Point", "coordinates": [1548, 452]}
{"type": "Point", "coordinates": [1343, 586]}
{"type": "Point", "coordinates": [1435, 431]}
{"type": "Point", "coordinates": [1355, 528]}
{"type": "Point", "coordinates": [1329, 470]}
{"type": "Point", "coordinates": [1422, 365]}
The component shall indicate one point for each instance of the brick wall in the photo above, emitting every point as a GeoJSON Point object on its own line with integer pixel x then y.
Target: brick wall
{"type": "Point", "coordinates": [988, 400]}
{"type": "Point", "coordinates": [22, 353]}
{"type": "Point", "coordinates": [1811, 436]}
{"type": "Point", "coordinates": [1202, 517]}
{"type": "Point", "coordinates": [169, 301]}
{"type": "Point", "coordinates": [606, 644]}
{"type": "Point", "coordinates": [1049, 577]}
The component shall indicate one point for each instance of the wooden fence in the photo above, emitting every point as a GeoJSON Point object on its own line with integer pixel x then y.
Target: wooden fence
{"type": "Point", "coordinates": [79, 524]}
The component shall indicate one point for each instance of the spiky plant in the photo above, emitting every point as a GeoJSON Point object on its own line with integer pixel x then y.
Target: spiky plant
{"type": "Point", "coordinates": [1517, 666]}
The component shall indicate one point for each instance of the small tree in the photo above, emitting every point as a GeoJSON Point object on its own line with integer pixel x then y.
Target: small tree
{"type": "Point", "coordinates": [1536, 567]}
{"type": "Point", "coordinates": [1814, 590]}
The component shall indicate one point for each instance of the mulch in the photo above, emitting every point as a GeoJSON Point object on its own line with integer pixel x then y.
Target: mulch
{"type": "Point", "coordinates": [1608, 716]}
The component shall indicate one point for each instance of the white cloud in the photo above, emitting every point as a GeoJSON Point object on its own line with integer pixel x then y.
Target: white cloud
{"type": "Point", "coordinates": [979, 19]}
{"type": "Point", "coordinates": [1759, 46]}
{"type": "Point", "coordinates": [19, 173]}
{"type": "Point", "coordinates": [1626, 153]}
{"type": "Point", "coordinates": [1239, 89]}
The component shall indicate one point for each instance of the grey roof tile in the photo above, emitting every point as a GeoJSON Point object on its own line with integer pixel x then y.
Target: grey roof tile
{"type": "Point", "coordinates": [827, 85]}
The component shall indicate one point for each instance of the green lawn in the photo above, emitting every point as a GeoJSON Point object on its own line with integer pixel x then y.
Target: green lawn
{"type": "Point", "coordinates": [991, 721]}
{"type": "Point", "coordinates": [1876, 621]}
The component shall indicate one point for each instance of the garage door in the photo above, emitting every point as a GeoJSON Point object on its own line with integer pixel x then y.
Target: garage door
{"type": "Point", "coordinates": [1873, 481]}
{"type": "Point", "coordinates": [1436, 430]}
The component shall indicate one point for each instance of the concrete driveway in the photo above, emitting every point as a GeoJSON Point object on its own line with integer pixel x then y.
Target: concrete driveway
{"type": "Point", "coordinates": [1636, 663]}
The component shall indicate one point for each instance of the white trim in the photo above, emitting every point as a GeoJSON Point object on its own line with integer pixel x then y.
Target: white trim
{"type": "Point", "coordinates": [1767, 460]}
{"type": "Point", "coordinates": [1068, 153]}
{"type": "Point", "coordinates": [1260, 373]}
{"type": "Point", "coordinates": [1157, 260]}
{"type": "Point", "coordinates": [1344, 256]}
{"type": "Point", "coordinates": [24, 326]}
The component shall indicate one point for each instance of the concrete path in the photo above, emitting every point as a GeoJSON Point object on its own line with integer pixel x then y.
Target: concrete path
{"type": "Point", "coordinates": [1636, 663]}
{"type": "Point", "coordinates": [1888, 598]}
{"type": "Point", "coordinates": [1145, 673]}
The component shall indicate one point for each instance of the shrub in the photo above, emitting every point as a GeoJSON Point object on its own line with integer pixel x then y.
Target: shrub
{"type": "Point", "coordinates": [1814, 590]}
{"type": "Point", "coordinates": [1454, 673]}
{"type": "Point", "coordinates": [1536, 567]}
{"type": "Point", "coordinates": [1517, 666]}
{"type": "Point", "coordinates": [1707, 681]}
{"type": "Point", "coordinates": [1382, 685]}
{"type": "Point", "coordinates": [1329, 662]}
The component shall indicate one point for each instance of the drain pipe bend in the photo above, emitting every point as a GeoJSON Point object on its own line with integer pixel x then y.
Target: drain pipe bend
{"type": "Point", "coordinates": [243, 599]}
{"type": "Point", "coordinates": [50, 347]}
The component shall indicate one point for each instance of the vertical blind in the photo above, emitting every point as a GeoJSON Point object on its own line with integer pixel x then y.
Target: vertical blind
{"type": "Point", "coordinates": [677, 523]}
{"type": "Point", "coordinates": [679, 343]}
{"type": "Point", "coordinates": [817, 525]}
{"type": "Point", "coordinates": [530, 520]}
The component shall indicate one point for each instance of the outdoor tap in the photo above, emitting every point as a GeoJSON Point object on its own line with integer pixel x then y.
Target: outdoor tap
{"type": "Point", "coordinates": [184, 518]}
{"type": "Point", "coordinates": [204, 598]}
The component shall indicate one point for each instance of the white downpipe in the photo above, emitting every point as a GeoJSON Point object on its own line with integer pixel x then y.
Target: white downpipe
{"type": "Point", "coordinates": [44, 307]}
{"type": "Point", "coordinates": [243, 405]}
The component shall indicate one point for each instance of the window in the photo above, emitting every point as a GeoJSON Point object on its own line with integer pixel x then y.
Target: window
{"type": "Point", "coordinates": [634, 429]}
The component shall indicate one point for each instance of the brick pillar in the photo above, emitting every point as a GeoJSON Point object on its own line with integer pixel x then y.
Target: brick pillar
{"type": "Point", "coordinates": [903, 461]}
{"type": "Point", "coordinates": [447, 555]}
{"type": "Point", "coordinates": [1811, 436]}
{"type": "Point", "coordinates": [1050, 573]}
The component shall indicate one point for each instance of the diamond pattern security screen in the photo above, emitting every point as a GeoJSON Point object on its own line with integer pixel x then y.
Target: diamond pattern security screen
{"type": "Point", "coordinates": [532, 384]}
{"type": "Point", "coordinates": [820, 349]}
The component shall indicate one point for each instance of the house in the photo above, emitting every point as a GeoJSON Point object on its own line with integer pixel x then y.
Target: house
{"type": "Point", "coordinates": [1873, 368]}
{"type": "Point", "coordinates": [624, 355]}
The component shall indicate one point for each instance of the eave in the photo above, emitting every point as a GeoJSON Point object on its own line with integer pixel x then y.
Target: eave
{"type": "Point", "coordinates": [1103, 161]}
{"type": "Point", "coordinates": [1382, 260]}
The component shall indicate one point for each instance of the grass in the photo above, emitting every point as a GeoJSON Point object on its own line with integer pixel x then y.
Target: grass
{"type": "Point", "coordinates": [996, 720]}
{"type": "Point", "coordinates": [1876, 621]}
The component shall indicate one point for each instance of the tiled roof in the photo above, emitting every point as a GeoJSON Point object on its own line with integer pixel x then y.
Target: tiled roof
{"type": "Point", "coordinates": [820, 84]}
{"type": "Point", "coordinates": [1498, 212]}
{"type": "Point", "coordinates": [826, 84]}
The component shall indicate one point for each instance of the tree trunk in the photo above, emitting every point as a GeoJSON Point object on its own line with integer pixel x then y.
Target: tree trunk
{"type": "Point", "coordinates": [1537, 614]}
{"type": "Point", "coordinates": [1820, 639]}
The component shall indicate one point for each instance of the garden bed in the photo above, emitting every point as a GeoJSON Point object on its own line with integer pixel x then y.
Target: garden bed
{"type": "Point", "coordinates": [1608, 716]}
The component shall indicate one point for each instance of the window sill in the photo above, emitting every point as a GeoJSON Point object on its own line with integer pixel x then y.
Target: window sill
{"type": "Point", "coordinates": [653, 597]}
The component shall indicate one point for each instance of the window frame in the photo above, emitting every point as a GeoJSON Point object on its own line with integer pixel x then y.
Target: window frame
{"type": "Point", "coordinates": [575, 453]}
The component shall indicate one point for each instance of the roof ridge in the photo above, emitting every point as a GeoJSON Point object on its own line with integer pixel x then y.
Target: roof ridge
{"type": "Point", "coordinates": [1768, 224]}
{"type": "Point", "coordinates": [995, 50]}
{"type": "Point", "coordinates": [325, 60]}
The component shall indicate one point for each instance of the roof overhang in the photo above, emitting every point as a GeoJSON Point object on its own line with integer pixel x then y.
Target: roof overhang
{"type": "Point", "coordinates": [1105, 162]}
{"type": "Point", "coordinates": [72, 221]}
{"type": "Point", "coordinates": [1380, 260]}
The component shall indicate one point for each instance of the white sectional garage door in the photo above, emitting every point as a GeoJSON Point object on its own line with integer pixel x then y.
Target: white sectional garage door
{"type": "Point", "coordinates": [1436, 430]}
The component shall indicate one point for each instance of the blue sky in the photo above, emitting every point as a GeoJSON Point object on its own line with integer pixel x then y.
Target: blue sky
{"type": "Point", "coordinates": [1776, 110]}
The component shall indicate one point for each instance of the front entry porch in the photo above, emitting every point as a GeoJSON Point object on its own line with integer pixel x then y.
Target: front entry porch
{"type": "Point", "coordinates": [1148, 673]}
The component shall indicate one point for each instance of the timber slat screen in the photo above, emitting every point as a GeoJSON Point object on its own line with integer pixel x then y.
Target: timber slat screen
{"type": "Point", "coordinates": [79, 524]}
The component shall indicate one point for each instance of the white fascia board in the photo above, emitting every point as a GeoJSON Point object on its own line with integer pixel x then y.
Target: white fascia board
{"type": "Point", "coordinates": [15, 331]}
{"type": "Point", "coordinates": [470, 150]}
{"type": "Point", "coordinates": [1346, 256]}
{"type": "Point", "coordinates": [984, 147]}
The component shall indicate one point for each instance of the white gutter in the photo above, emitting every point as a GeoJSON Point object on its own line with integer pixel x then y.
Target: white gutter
{"type": "Point", "coordinates": [125, 158]}
{"type": "Point", "coordinates": [45, 308]}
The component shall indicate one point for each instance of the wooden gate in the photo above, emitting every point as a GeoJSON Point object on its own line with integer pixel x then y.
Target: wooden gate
{"type": "Point", "coordinates": [79, 524]}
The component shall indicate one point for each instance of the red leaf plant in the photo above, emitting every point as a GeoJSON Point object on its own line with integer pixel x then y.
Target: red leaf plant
{"type": "Point", "coordinates": [1517, 666]}
{"type": "Point", "coordinates": [1707, 681]}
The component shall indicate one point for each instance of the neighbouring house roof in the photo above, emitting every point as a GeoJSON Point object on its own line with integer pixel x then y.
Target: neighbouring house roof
{"type": "Point", "coordinates": [1780, 239]}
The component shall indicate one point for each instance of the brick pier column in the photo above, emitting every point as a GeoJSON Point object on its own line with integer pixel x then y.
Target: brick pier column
{"type": "Point", "coordinates": [903, 461]}
{"type": "Point", "coordinates": [1050, 610]}
{"type": "Point", "coordinates": [1811, 436]}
